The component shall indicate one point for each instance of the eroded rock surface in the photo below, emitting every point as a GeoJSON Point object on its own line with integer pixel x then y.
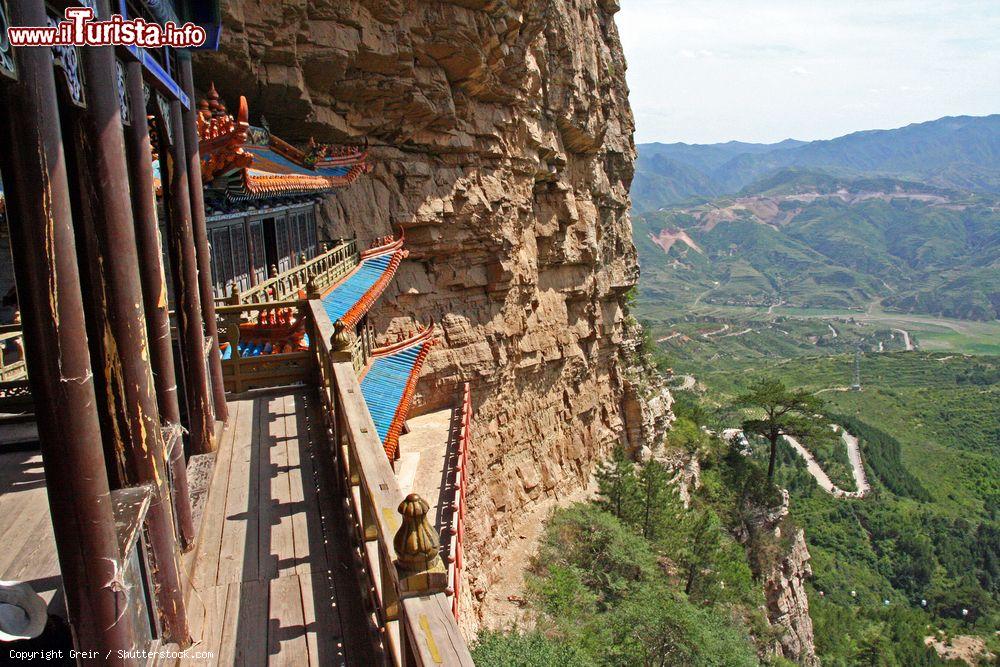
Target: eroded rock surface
{"type": "Point", "coordinates": [502, 138]}
{"type": "Point", "coordinates": [784, 577]}
{"type": "Point", "coordinates": [788, 605]}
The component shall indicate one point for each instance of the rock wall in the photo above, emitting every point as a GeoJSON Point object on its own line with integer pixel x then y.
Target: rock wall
{"type": "Point", "coordinates": [647, 399]}
{"type": "Point", "coordinates": [502, 139]}
{"type": "Point", "coordinates": [788, 605]}
{"type": "Point", "coordinates": [784, 572]}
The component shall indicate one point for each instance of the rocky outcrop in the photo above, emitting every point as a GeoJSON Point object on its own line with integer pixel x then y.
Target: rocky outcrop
{"type": "Point", "coordinates": [685, 470]}
{"type": "Point", "coordinates": [781, 559]}
{"type": "Point", "coordinates": [647, 398]}
{"type": "Point", "coordinates": [502, 139]}
{"type": "Point", "coordinates": [788, 605]}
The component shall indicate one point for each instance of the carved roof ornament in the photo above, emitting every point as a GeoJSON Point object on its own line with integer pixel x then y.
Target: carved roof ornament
{"type": "Point", "coordinates": [215, 103]}
{"type": "Point", "coordinates": [247, 162]}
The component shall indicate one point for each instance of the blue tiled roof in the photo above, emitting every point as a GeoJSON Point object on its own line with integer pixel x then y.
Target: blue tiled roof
{"type": "Point", "coordinates": [384, 383]}
{"type": "Point", "coordinates": [350, 291]}
{"type": "Point", "coordinates": [268, 161]}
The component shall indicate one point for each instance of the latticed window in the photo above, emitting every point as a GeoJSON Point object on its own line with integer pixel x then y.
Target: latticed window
{"type": "Point", "coordinates": [240, 255]}
{"type": "Point", "coordinates": [293, 234]}
{"type": "Point", "coordinates": [223, 251]}
{"type": "Point", "coordinates": [310, 221]}
{"type": "Point", "coordinates": [281, 234]}
{"type": "Point", "coordinates": [257, 239]}
{"type": "Point", "coordinates": [304, 235]}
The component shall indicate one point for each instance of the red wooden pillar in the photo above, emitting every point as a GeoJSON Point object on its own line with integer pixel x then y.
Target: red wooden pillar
{"type": "Point", "coordinates": [126, 348]}
{"type": "Point", "coordinates": [154, 294]}
{"type": "Point", "coordinates": [193, 161]}
{"type": "Point", "coordinates": [56, 350]}
{"type": "Point", "coordinates": [183, 257]}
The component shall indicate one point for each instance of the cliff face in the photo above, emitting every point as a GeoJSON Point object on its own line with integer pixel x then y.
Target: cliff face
{"type": "Point", "coordinates": [784, 577]}
{"type": "Point", "coordinates": [788, 606]}
{"type": "Point", "coordinates": [502, 138]}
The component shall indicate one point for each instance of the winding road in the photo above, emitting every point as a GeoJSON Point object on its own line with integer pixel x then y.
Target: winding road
{"type": "Point", "coordinates": [862, 488]}
{"type": "Point", "coordinates": [688, 382]}
{"type": "Point", "coordinates": [857, 467]}
{"type": "Point", "coordinates": [906, 338]}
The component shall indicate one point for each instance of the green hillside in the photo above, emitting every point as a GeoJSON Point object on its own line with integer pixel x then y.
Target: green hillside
{"type": "Point", "coordinates": [815, 240]}
{"type": "Point", "coordinates": [907, 560]}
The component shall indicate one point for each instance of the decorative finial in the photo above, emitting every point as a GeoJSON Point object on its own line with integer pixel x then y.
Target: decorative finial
{"type": "Point", "coordinates": [418, 561]}
{"type": "Point", "coordinates": [243, 115]}
{"type": "Point", "coordinates": [416, 543]}
{"type": "Point", "coordinates": [343, 338]}
{"type": "Point", "coordinates": [312, 290]}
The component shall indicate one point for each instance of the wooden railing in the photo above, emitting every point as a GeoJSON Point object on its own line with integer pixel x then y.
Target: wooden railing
{"type": "Point", "coordinates": [16, 403]}
{"type": "Point", "coordinates": [456, 551]}
{"type": "Point", "coordinates": [361, 350]}
{"type": "Point", "coordinates": [241, 373]}
{"type": "Point", "coordinates": [401, 564]}
{"type": "Point", "coordinates": [322, 271]}
{"type": "Point", "coordinates": [11, 337]}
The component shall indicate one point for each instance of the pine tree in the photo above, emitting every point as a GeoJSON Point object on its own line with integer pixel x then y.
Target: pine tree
{"type": "Point", "coordinates": [654, 496]}
{"type": "Point", "coordinates": [618, 487]}
{"type": "Point", "coordinates": [786, 412]}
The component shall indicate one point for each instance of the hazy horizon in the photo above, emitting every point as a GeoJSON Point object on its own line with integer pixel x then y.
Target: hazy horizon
{"type": "Point", "coordinates": [728, 70]}
{"type": "Point", "coordinates": [861, 129]}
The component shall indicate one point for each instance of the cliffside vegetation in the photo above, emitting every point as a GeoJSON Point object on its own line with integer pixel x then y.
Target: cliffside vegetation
{"type": "Point", "coordinates": [634, 578]}
{"type": "Point", "coordinates": [905, 562]}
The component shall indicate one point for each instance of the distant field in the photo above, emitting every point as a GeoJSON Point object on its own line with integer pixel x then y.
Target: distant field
{"type": "Point", "coordinates": [931, 334]}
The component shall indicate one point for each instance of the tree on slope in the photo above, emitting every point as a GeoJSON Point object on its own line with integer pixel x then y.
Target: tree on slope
{"type": "Point", "coordinates": [786, 412]}
{"type": "Point", "coordinates": [619, 487]}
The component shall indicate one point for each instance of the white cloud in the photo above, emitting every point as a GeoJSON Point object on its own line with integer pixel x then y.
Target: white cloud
{"type": "Point", "coordinates": [692, 55]}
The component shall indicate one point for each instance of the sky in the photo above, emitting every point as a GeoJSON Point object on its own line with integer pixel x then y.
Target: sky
{"type": "Point", "coordinates": [706, 71]}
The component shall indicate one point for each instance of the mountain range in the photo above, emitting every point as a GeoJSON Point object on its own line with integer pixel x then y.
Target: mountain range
{"type": "Point", "coordinates": [812, 239]}
{"type": "Point", "coordinates": [961, 152]}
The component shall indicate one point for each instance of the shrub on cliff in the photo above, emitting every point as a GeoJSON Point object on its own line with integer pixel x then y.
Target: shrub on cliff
{"type": "Point", "coordinates": [607, 595]}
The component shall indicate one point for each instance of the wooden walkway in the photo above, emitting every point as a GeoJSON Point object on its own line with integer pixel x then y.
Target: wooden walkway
{"type": "Point", "coordinates": [274, 575]}
{"type": "Point", "coordinates": [29, 548]}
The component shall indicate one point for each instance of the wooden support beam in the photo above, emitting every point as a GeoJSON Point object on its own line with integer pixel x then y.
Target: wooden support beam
{"type": "Point", "coordinates": [128, 376]}
{"type": "Point", "coordinates": [154, 292]}
{"type": "Point", "coordinates": [198, 224]}
{"type": "Point", "coordinates": [183, 258]}
{"type": "Point", "coordinates": [51, 303]}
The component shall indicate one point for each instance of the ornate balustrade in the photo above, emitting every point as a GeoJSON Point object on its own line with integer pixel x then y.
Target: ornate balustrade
{"type": "Point", "coordinates": [321, 272]}
{"type": "Point", "coordinates": [401, 564]}
{"type": "Point", "coordinates": [16, 402]}
{"type": "Point", "coordinates": [246, 366]}
{"type": "Point", "coordinates": [12, 353]}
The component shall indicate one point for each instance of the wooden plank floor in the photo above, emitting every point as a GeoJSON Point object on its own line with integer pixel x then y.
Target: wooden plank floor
{"type": "Point", "coordinates": [29, 549]}
{"type": "Point", "coordinates": [274, 578]}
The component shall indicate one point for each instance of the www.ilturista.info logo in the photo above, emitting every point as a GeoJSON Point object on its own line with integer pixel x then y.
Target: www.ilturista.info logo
{"type": "Point", "coordinates": [80, 29]}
